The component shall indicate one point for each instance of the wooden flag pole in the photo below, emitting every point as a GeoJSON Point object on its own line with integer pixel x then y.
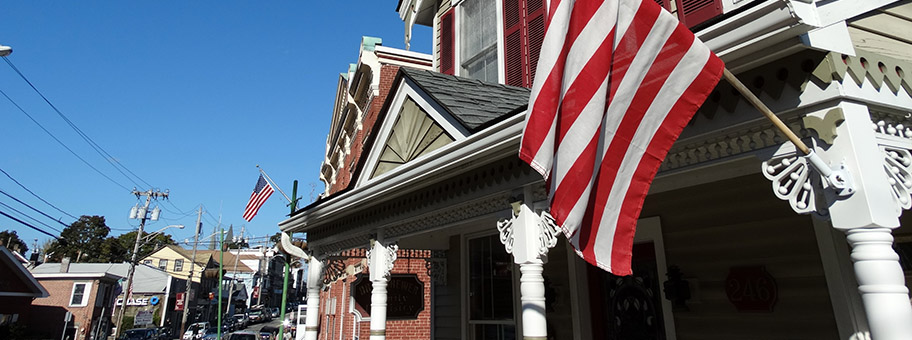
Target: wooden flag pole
{"type": "Point", "coordinates": [765, 110]}
{"type": "Point", "coordinates": [840, 179]}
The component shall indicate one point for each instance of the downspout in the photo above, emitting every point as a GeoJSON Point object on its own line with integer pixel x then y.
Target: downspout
{"type": "Point", "coordinates": [287, 247]}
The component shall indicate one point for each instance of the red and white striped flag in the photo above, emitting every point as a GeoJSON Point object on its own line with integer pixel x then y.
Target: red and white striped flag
{"type": "Point", "coordinates": [261, 193]}
{"type": "Point", "coordinates": [616, 83]}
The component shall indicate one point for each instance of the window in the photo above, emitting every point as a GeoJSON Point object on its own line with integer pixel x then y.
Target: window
{"type": "Point", "coordinates": [478, 40]}
{"type": "Point", "coordinates": [163, 264]}
{"type": "Point", "coordinates": [178, 265]}
{"type": "Point", "coordinates": [80, 295]}
{"type": "Point", "coordinates": [490, 290]}
{"type": "Point", "coordinates": [147, 262]}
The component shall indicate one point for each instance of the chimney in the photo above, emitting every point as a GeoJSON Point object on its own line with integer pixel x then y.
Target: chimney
{"type": "Point", "coordinates": [65, 265]}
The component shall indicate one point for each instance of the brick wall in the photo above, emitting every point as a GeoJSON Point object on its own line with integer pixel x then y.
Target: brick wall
{"type": "Point", "coordinates": [48, 313]}
{"type": "Point", "coordinates": [419, 328]}
{"type": "Point", "coordinates": [344, 176]}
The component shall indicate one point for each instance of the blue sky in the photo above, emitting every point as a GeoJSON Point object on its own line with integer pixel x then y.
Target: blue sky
{"type": "Point", "coordinates": [189, 95]}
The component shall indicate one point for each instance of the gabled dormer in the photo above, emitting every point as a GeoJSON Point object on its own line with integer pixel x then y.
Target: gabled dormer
{"type": "Point", "coordinates": [428, 111]}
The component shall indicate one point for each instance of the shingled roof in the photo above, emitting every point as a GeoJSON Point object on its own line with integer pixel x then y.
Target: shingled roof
{"type": "Point", "coordinates": [474, 103]}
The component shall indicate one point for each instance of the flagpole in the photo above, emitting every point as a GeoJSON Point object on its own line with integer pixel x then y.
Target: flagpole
{"type": "Point", "coordinates": [273, 183]}
{"type": "Point", "coordinates": [839, 179]}
{"type": "Point", "coordinates": [766, 111]}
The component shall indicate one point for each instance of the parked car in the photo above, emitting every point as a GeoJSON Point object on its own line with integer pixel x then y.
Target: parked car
{"type": "Point", "coordinates": [211, 333]}
{"type": "Point", "coordinates": [241, 320]}
{"type": "Point", "coordinates": [244, 335]}
{"type": "Point", "coordinates": [195, 331]}
{"type": "Point", "coordinates": [274, 312]}
{"type": "Point", "coordinates": [140, 334]}
{"type": "Point", "coordinates": [256, 316]}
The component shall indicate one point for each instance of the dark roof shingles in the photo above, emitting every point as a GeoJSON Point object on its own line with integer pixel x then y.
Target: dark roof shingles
{"type": "Point", "coordinates": [472, 102]}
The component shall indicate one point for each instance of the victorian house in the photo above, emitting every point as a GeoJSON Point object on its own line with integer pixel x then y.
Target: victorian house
{"type": "Point", "coordinates": [739, 237]}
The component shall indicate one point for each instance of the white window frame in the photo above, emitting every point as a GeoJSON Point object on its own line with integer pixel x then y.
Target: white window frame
{"type": "Point", "coordinates": [163, 264]}
{"type": "Point", "coordinates": [457, 39]}
{"type": "Point", "coordinates": [467, 322]}
{"type": "Point", "coordinates": [85, 294]}
{"type": "Point", "coordinates": [176, 269]}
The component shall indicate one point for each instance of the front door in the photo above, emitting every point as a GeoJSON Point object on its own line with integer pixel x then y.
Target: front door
{"type": "Point", "coordinates": [628, 307]}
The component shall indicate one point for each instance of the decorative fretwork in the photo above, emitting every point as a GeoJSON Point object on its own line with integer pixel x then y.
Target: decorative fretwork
{"type": "Point", "coordinates": [898, 167]}
{"type": "Point", "coordinates": [387, 261]}
{"type": "Point", "coordinates": [796, 182]}
{"type": "Point", "coordinates": [546, 235]}
{"type": "Point", "coordinates": [548, 231]}
{"type": "Point", "coordinates": [894, 137]}
{"type": "Point", "coordinates": [505, 229]}
{"type": "Point", "coordinates": [333, 269]}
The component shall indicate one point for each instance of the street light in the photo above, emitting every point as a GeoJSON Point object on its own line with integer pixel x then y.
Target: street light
{"type": "Point", "coordinates": [5, 50]}
{"type": "Point", "coordinates": [150, 236]}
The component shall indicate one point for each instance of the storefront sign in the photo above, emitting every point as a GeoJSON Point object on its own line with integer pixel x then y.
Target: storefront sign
{"type": "Point", "coordinates": [179, 301]}
{"type": "Point", "coordinates": [751, 289]}
{"type": "Point", "coordinates": [405, 296]}
{"type": "Point", "coordinates": [143, 317]}
{"type": "Point", "coordinates": [138, 301]}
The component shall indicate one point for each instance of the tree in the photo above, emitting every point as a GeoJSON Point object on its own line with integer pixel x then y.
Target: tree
{"type": "Point", "coordinates": [128, 240]}
{"type": "Point", "coordinates": [84, 239]}
{"type": "Point", "coordinates": [12, 241]}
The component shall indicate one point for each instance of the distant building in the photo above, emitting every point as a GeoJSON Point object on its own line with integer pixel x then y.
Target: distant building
{"type": "Point", "coordinates": [87, 292]}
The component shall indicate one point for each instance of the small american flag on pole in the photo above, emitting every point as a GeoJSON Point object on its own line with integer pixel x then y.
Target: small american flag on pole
{"type": "Point", "coordinates": [616, 83]}
{"type": "Point", "coordinates": [260, 194]}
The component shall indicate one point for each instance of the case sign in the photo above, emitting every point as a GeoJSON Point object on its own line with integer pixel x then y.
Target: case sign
{"type": "Point", "coordinates": [405, 296]}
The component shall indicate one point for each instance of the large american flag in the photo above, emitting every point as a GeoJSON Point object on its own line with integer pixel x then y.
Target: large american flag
{"type": "Point", "coordinates": [616, 83]}
{"type": "Point", "coordinates": [260, 194]}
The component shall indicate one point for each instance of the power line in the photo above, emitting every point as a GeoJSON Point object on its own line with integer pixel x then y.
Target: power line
{"type": "Point", "coordinates": [36, 195]}
{"type": "Point", "coordinates": [30, 207]}
{"type": "Point", "coordinates": [101, 151]}
{"type": "Point", "coordinates": [29, 225]}
{"type": "Point", "coordinates": [29, 217]}
{"type": "Point", "coordinates": [61, 143]}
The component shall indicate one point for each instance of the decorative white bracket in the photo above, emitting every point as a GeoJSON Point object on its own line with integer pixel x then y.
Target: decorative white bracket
{"type": "Point", "coordinates": [794, 181]}
{"type": "Point", "coordinates": [381, 259]}
{"type": "Point", "coordinates": [528, 236]}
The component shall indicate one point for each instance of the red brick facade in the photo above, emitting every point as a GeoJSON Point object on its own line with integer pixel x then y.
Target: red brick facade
{"type": "Point", "coordinates": [344, 175]}
{"type": "Point", "coordinates": [340, 289]}
{"type": "Point", "coordinates": [48, 313]}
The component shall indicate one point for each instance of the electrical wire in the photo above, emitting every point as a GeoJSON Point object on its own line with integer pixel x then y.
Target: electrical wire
{"type": "Point", "coordinates": [101, 151]}
{"type": "Point", "coordinates": [39, 197]}
{"type": "Point", "coordinates": [29, 217]}
{"type": "Point", "coordinates": [29, 225]}
{"type": "Point", "coordinates": [63, 144]}
{"type": "Point", "coordinates": [30, 207]}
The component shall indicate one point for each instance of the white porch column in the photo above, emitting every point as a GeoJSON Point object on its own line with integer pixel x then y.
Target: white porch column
{"type": "Point", "coordinates": [878, 160]}
{"type": "Point", "coordinates": [314, 283]}
{"type": "Point", "coordinates": [528, 237]}
{"type": "Point", "coordinates": [381, 258]}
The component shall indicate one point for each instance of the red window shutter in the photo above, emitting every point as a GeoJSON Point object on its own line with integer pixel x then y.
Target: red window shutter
{"type": "Point", "coordinates": [666, 4]}
{"type": "Point", "coordinates": [513, 42]}
{"type": "Point", "coordinates": [693, 12]}
{"type": "Point", "coordinates": [447, 46]}
{"type": "Point", "coordinates": [535, 31]}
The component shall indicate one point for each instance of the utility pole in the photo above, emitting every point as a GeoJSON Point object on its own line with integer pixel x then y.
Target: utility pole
{"type": "Point", "coordinates": [141, 214]}
{"type": "Point", "coordinates": [199, 227]}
